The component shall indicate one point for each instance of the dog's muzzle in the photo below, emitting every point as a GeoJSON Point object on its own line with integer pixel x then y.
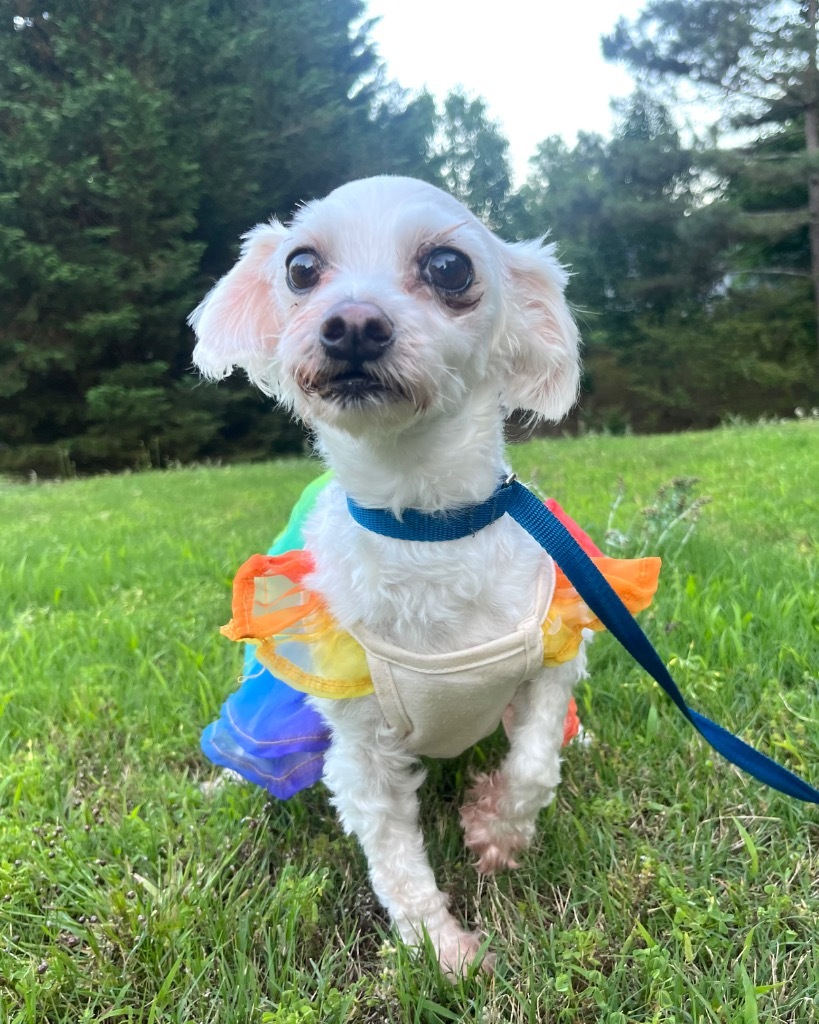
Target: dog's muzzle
{"type": "Point", "coordinates": [354, 336]}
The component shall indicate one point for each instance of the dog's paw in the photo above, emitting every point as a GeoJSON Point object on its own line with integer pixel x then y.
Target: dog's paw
{"type": "Point", "coordinates": [457, 950]}
{"type": "Point", "coordinates": [492, 838]}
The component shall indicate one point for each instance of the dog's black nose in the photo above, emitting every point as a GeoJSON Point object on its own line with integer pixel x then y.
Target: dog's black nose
{"type": "Point", "coordinates": [357, 332]}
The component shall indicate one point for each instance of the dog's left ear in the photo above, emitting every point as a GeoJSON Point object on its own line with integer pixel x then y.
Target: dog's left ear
{"type": "Point", "coordinates": [540, 343]}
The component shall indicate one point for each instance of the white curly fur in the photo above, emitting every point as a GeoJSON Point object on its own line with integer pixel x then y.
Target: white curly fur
{"type": "Point", "coordinates": [432, 439]}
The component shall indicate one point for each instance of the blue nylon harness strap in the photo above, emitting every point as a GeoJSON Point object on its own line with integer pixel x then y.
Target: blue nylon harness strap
{"type": "Point", "coordinates": [530, 513]}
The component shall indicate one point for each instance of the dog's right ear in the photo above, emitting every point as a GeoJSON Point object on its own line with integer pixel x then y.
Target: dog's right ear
{"type": "Point", "coordinates": [238, 322]}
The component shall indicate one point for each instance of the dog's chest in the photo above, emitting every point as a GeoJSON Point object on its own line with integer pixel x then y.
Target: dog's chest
{"type": "Point", "coordinates": [425, 597]}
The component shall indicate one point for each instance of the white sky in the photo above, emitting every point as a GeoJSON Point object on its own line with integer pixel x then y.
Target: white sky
{"type": "Point", "coordinates": [536, 63]}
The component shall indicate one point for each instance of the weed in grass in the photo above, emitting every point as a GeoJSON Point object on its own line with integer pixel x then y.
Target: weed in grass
{"type": "Point", "coordinates": [664, 527]}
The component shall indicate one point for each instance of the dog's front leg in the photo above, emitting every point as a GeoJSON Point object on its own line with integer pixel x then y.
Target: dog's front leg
{"type": "Point", "coordinates": [374, 784]}
{"type": "Point", "coordinates": [501, 808]}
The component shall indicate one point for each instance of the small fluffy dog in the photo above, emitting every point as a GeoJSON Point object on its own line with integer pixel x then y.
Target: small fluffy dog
{"type": "Point", "coordinates": [395, 324]}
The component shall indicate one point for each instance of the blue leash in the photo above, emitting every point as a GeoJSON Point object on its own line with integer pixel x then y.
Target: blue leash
{"type": "Point", "coordinates": [512, 498]}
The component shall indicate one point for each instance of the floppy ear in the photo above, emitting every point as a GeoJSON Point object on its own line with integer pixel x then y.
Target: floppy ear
{"type": "Point", "coordinates": [238, 321]}
{"type": "Point", "coordinates": [540, 344]}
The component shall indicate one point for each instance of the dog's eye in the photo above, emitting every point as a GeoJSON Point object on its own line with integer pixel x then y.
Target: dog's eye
{"type": "Point", "coordinates": [447, 270]}
{"type": "Point", "coordinates": [303, 270]}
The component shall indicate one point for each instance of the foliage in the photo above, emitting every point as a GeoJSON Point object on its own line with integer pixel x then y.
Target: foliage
{"type": "Point", "coordinates": [663, 886]}
{"type": "Point", "coordinates": [679, 331]}
{"type": "Point", "coordinates": [139, 143]}
{"type": "Point", "coordinates": [618, 210]}
{"type": "Point", "coordinates": [753, 54]}
{"type": "Point", "coordinates": [474, 158]}
{"type": "Point", "coordinates": [759, 58]}
{"type": "Point", "coordinates": [763, 209]}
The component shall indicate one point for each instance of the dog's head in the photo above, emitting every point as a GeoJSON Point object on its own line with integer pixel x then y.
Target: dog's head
{"type": "Point", "coordinates": [387, 301]}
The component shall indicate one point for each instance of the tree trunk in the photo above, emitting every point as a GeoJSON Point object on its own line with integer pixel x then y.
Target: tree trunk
{"type": "Point", "coordinates": [812, 144]}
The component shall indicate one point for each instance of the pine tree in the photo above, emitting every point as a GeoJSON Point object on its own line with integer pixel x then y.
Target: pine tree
{"type": "Point", "coordinates": [618, 209]}
{"type": "Point", "coordinates": [138, 142]}
{"type": "Point", "coordinates": [474, 158]}
{"type": "Point", "coordinates": [758, 58]}
{"type": "Point", "coordinates": [668, 344]}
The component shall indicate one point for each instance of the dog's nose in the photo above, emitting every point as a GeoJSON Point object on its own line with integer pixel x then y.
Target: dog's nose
{"type": "Point", "coordinates": [356, 332]}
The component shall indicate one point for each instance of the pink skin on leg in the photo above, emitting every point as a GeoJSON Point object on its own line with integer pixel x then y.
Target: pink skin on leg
{"type": "Point", "coordinates": [501, 808]}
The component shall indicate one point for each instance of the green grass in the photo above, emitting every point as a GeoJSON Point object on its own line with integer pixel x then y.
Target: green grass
{"type": "Point", "coordinates": [664, 886]}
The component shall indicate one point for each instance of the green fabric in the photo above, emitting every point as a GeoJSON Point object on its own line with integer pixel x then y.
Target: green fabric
{"type": "Point", "coordinates": [292, 538]}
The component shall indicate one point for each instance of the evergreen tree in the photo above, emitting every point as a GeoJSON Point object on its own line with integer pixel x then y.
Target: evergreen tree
{"type": "Point", "coordinates": [619, 212]}
{"type": "Point", "coordinates": [474, 158]}
{"type": "Point", "coordinates": [759, 58]}
{"type": "Point", "coordinates": [669, 344]}
{"type": "Point", "coordinates": [138, 143]}
{"type": "Point", "coordinates": [762, 207]}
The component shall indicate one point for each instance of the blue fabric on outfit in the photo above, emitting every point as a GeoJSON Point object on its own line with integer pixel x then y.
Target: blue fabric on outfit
{"type": "Point", "coordinates": [266, 730]}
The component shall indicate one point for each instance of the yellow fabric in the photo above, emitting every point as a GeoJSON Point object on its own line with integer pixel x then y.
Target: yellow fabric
{"type": "Point", "coordinates": [339, 661]}
{"type": "Point", "coordinates": [272, 608]}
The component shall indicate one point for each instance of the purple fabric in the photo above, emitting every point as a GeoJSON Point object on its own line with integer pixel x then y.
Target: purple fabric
{"type": "Point", "coordinates": [268, 733]}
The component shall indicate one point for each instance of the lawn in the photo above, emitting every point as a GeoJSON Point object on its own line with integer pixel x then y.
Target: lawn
{"type": "Point", "coordinates": [665, 885]}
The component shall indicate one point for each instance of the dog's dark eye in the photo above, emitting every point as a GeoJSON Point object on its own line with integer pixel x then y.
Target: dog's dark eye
{"type": "Point", "coordinates": [447, 270]}
{"type": "Point", "coordinates": [303, 270]}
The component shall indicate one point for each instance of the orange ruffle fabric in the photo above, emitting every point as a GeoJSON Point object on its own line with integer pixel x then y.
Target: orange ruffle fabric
{"type": "Point", "coordinates": [634, 580]}
{"type": "Point", "coordinates": [273, 608]}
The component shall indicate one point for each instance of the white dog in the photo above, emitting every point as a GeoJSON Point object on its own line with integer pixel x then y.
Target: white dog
{"type": "Point", "coordinates": [389, 319]}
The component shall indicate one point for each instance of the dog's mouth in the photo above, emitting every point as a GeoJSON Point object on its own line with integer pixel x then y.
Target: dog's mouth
{"type": "Point", "coordinates": [354, 387]}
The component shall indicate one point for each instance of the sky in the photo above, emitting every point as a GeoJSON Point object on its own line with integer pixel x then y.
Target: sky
{"type": "Point", "coordinates": [536, 63]}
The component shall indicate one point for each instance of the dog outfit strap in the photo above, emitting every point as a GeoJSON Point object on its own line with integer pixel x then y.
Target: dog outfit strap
{"type": "Point", "coordinates": [384, 685]}
{"type": "Point", "coordinates": [539, 522]}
